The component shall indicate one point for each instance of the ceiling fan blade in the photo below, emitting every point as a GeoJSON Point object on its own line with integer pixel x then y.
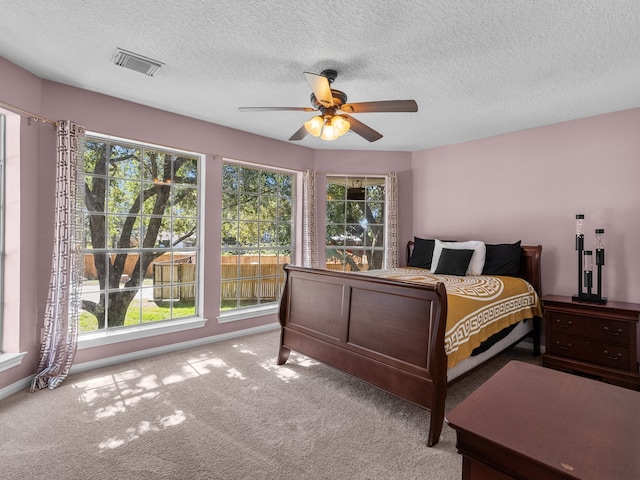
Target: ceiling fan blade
{"type": "Point", "coordinates": [321, 88]}
{"type": "Point", "coordinates": [299, 135]}
{"type": "Point", "coordinates": [276, 109]}
{"type": "Point", "coordinates": [363, 130]}
{"type": "Point", "coordinates": [382, 106]}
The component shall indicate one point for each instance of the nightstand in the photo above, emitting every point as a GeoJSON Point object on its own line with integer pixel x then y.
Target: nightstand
{"type": "Point", "coordinates": [601, 341]}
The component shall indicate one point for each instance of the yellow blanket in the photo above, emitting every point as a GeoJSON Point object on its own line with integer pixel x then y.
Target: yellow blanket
{"type": "Point", "coordinates": [478, 306]}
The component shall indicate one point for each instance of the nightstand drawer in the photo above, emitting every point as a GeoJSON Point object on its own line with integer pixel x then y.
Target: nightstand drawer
{"type": "Point", "coordinates": [605, 354]}
{"type": "Point", "coordinates": [602, 329]}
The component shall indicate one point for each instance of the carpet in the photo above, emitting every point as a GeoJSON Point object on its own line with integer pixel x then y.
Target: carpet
{"type": "Point", "coordinates": [226, 411]}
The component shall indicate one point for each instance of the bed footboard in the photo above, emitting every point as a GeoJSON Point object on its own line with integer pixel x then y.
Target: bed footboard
{"type": "Point", "coordinates": [387, 333]}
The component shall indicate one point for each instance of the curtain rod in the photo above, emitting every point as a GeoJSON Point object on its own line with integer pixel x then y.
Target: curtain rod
{"type": "Point", "coordinates": [27, 113]}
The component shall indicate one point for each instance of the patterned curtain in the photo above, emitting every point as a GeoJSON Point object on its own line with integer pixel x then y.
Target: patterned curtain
{"type": "Point", "coordinates": [309, 225]}
{"type": "Point", "coordinates": [391, 238]}
{"type": "Point", "coordinates": [65, 289]}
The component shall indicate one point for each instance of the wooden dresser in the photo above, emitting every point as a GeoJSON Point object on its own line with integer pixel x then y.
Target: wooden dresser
{"type": "Point", "coordinates": [601, 341]}
{"type": "Point", "coordinates": [533, 423]}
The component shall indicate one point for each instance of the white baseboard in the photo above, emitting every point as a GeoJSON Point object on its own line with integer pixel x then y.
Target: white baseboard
{"type": "Point", "coordinates": [105, 362]}
{"type": "Point", "coordinates": [16, 387]}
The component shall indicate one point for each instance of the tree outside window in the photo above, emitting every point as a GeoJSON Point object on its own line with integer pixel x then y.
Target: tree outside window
{"type": "Point", "coordinates": [355, 223]}
{"type": "Point", "coordinates": [141, 234]}
{"type": "Point", "coordinates": [257, 235]}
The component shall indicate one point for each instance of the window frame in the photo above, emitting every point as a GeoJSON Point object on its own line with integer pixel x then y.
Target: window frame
{"type": "Point", "coordinates": [252, 311]}
{"type": "Point", "coordinates": [109, 335]}
{"type": "Point", "coordinates": [349, 177]}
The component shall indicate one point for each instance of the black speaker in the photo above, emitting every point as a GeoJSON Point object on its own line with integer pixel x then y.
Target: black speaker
{"type": "Point", "coordinates": [355, 193]}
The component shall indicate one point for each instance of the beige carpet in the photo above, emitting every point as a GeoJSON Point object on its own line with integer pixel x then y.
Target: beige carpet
{"type": "Point", "coordinates": [225, 411]}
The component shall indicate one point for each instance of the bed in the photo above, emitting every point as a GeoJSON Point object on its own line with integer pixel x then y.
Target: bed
{"type": "Point", "coordinates": [389, 330]}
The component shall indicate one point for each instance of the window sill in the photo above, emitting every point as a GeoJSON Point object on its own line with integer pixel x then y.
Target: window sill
{"type": "Point", "coordinates": [10, 360]}
{"type": "Point", "coordinates": [245, 313]}
{"type": "Point", "coordinates": [97, 339]}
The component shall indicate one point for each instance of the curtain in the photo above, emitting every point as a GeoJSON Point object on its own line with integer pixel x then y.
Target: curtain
{"type": "Point", "coordinates": [67, 266]}
{"type": "Point", "coordinates": [309, 225]}
{"type": "Point", "coordinates": [391, 221]}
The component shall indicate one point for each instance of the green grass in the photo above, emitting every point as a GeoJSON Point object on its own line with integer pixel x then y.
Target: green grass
{"type": "Point", "coordinates": [151, 312]}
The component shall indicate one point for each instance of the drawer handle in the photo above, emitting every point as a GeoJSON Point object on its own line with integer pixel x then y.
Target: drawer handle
{"type": "Point", "coordinates": [613, 333]}
{"type": "Point", "coordinates": [569, 323]}
{"type": "Point", "coordinates": [562, 347]}
{"type": "Point", "coordinates": [606, 353]}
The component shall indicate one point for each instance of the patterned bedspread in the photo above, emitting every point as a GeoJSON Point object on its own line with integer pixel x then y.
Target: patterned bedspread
{"type": "Point", "coordinates": [478, 306]}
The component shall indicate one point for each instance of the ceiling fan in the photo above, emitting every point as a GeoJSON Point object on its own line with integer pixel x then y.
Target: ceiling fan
{"type": "Point", "coordinates": [333, 120]}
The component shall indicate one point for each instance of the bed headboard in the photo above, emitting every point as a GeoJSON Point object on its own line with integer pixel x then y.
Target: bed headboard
{"type": "Point", "coordinates": [529, 264]}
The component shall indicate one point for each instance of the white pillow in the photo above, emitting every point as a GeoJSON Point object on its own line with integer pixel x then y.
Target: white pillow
{"type": "Point", "coordinates": [477, 259]}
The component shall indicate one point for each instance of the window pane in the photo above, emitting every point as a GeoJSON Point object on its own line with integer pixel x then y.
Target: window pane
{"type": "Point", "coordinates": [230, 178]}
{"type": "Point", "coordinates": [249, 233]}
{"type": "Point", "coordinates": [335, 190]}
{"type": "Point", "coordinates": [336, 212]}
{"type": "Point", "coordinates": [268, 208]}
{"type": "Point", "coordinates": [229, 205]}
{"type": "Point", "coordinates": [122, 195]}
{"type": "Point", "coordinates": [157, 197]}
{"type": "Point", "coordinates": [185, 232]}
{"type": "Point", "coordinates": [185, 200]}
{"type": "Point", "coordinates": [355, 212]}
{"type": "Point", "coordinates": [95, 157]}
{"type": "Point", "coordinates": [249, 206]}
{"type": "Point", "coordinates": [285, 234]}
{"type": "Point", "coordinates": [268, 234]}
{"type": "Point", "coordinates": [268, 183]}
{"type": "Point", "coordinates": [285, 209]}
{"type": "Point", "coordinates": [286, 185]}
{"type": "Point", "coordinates": [124, 162]}
{"type": "Point", "coordinates": [158, 167]}
{"type": "Point", "coordinates": [186, 171]}
{"type": "Point", "coordinates": [156, 232]}
{"type": "Point", "coordinates": [229, 234]}
{"type": "Point", "coordinates": [249, 179]}
{"type": "Point", "coordinates": [124, 231]}
{"type": "Point", "coordinates": [375, 213]}
{"type": "Point", "coordinates": [95, 231]}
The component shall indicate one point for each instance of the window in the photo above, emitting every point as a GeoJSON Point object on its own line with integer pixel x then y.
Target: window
{"type": "Point", "coordinates": [355, 223]}
{"type": "Point", "coordinates": [257, 235]}
{"type": "Point", "coordinates": [142, 243]}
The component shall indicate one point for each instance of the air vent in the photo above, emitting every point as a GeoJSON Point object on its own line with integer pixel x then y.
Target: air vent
{"type": "Point", "coordinates": [136, 62]}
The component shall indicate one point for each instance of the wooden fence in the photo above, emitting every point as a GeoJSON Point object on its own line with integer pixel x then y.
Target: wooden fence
{"type": "Point", "coordinates": [184, 274]}
{"type": "Point", "coordinates": [241, 278]}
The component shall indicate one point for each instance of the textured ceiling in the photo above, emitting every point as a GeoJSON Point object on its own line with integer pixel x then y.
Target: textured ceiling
{"type": "Point", "coordinates": [475, 68]}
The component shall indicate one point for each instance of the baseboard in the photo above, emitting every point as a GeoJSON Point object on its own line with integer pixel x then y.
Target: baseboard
{"type": "Point", "coordinates": [16, 387]}
{"type": "Point", "coordinates": [105, 362]}
{"type": "Point", "coordinates": [127, 357]}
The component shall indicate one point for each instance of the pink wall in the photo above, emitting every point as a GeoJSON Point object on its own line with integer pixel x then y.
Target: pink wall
{"type": "Point", "coordinates": [529, 185]}
{"type": "Point", "coordinates": [21, 263]}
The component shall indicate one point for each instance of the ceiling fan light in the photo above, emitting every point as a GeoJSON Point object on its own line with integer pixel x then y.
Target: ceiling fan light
{"type": "Point", "coordinates": [329, 132]}
{"type": "Point", "coordinates": [314, 126]}
{"type": "Point", "coordinates": [340, 125]}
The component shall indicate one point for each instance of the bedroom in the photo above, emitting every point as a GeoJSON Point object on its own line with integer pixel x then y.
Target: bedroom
{"type": "Point", "coordinates": [532, 182]}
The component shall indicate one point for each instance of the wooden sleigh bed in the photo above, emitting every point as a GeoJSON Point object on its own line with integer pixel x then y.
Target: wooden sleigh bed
{"type": "Point", "coordinates": [388, 333]}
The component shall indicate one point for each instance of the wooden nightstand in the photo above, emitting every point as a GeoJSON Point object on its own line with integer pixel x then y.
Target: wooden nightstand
{"type": "Point", "coordinates": [598, 340]}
